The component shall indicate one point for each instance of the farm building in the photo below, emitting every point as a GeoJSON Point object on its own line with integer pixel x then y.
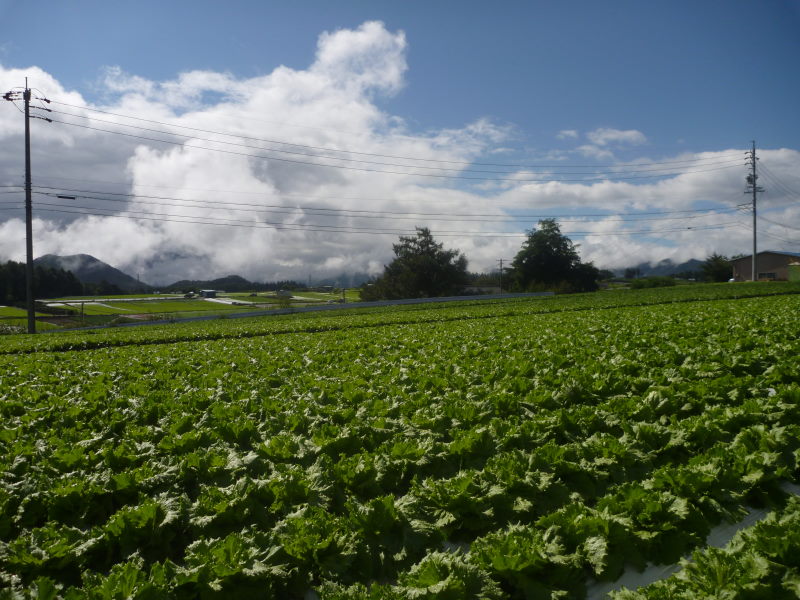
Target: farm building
{"type": "Point", "coordinates": [770, 264]}
{"type": "Point", "coordinates": [208, 293]}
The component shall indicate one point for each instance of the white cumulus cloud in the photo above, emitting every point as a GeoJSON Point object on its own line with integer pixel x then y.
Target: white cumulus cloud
{"type": "Point", "coordinates": [300, 173]}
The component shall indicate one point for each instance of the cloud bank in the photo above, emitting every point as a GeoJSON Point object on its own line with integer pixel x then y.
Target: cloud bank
{"type": "Point", "coordinates": [303, 174]}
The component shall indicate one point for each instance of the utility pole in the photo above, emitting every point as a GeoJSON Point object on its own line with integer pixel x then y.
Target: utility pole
{"type": "Point", "coordinates": [26, 97]}
{"type": "Point", "coordinates": [754, 188]}
{"type": "Point", "coordinates": [500, 260]}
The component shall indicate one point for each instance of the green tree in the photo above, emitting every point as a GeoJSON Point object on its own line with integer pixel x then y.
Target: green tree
{"type": "Point", "coordinates": [549, 260]}
{"type": "Point", "coordinates": [605, 275]}
{"type": "Point", "coordinates": [717, 268]}
{"type": "Point", "coordinates": [421, 268]}
{"type": "Point", "coordinates": [47, 283]}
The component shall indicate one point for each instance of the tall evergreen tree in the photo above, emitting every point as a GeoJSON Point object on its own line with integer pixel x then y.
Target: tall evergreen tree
{"type": "Point", "coordinates": [549, 260]}
{"type": "Point", "coordinates": [422, 268]}
{"type": "Point", "coordinates": [717, 267]}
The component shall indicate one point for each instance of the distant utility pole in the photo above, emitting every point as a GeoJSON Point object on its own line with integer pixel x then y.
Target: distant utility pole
{"type": "Point", "coordinates": [501, 260]}
{"type": "Point", "coordinates": [753, 187]}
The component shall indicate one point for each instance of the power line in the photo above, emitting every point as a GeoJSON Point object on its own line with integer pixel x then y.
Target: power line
{"type": "Point", "coordinates": [361, 214]}
{"type": "Point", "coordinates": [350, 229]}
{"type": "Point", "coordinates": [773, 236]}
{"type": "Point", "coordinates": [384, 171]}
{"type": "Point", "coordinates": [468, 169]}
{"type": "Point", "coordinates": [165, 217]}
{"type": "Point", "coordinates": [287, 227]}
{"type": "Point", "coordinates": [374, 154]}
{"type": "Point", "coordinates": [763, 218]}
{"type": "Point", "coordinates": [451, 218]}
{"type": "Point", "coordinates": [776, 178]}
{"type": "Point", "coordinates": [341, 198]}
{"type": "Point", "coordinates": [335, 212]}
{"type": "Point", "coordinates": [777, 182]}
{"type": "Point", "coordinates": [292, 152]}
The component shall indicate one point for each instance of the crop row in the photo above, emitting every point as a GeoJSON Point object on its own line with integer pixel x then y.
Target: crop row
{"type": "Point", "coordinates": [279, 463]}
{"type": "Point", "coordinates": [385, 316]}
{"type": "Point", "coordinates": [657, 519]}
{"type": "Point", "coordinates": [762, 561]}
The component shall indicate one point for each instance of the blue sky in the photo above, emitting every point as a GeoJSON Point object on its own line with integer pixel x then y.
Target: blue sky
{"type": "Point", "coordinates": [701, 75]}
{"type": "Point", "coordinates": [531, 82]}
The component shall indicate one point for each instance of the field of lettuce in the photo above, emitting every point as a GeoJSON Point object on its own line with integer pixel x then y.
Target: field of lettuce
{"type": "Point", "coordinates": [492, 449]}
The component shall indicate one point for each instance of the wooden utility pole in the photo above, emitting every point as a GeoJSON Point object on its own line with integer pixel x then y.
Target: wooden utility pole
{"type": "Point", "coordinates": [25, 95]}
{"type": "Point", "coordinates": [753, 187]}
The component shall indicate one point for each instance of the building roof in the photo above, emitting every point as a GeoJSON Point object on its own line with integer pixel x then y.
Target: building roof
{"type": "Point", "coordinates": [781, 252]}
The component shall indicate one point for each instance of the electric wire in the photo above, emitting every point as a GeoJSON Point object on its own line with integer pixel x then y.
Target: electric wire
{"type": "Point", "coordinates": [264, 226]}
{"type": "Point", "coordinates": [350, 229]}
{"type": "Point", "coordinates": [353, 230]}
{"type": "Point", "coordinates": [778, 223]}
{"type": "Point", "coordinates": [340, 198]}
{"type": "Point", "coordinates": [267, 140]}
{"type": "Point", "coordinates": [381, 232]}
{"type": "Point", "coordinates": [167, 217]}
{"type": "Point", "coordinates": [363, 161]}
{"type": "Point", "coordinates": [775, 237]}
{"type": "Point", "coordinates": [292, 152]}
{"type": "Point", "coordinates": [390, 172]}
{"type": "Point", "coordinates": [770, 173]}
{"type": "Point", "coordinates": [347, 228]}
{"type": "Point", "coordinates": [332, 212]}
{"type": "Point", "coordinates": [772, 178]}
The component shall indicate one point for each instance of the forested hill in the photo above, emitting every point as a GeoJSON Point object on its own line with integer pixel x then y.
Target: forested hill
{"type": "Point", "coordinates": [231, 283]}
{"type": "Point", "coordinates": [90, 270]}
{"type": "Point", "coordinates": [47, 283]}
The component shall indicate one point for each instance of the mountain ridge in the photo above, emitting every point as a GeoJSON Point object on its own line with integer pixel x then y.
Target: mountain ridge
{"type": "Point", "coordinates": [89, 269]}
{"type": "Point", "coordinates": [664, 268]}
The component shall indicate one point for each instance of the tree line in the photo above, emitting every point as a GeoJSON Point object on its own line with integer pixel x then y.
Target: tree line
{"type": "Point", "coordinates": [547, 260]}
{"type": "Point", "coordinates": [422, 267]}
{"type": "Point", "coordinates": [48, 282]}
